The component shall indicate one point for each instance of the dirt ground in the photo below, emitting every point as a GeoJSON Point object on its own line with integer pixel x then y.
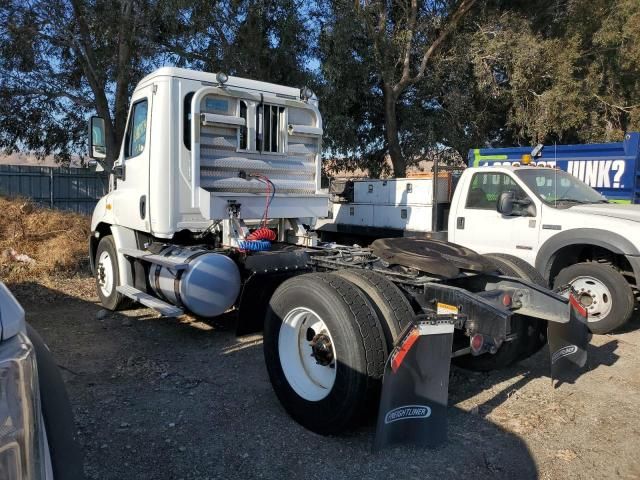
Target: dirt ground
{"type": "Point", "coordinates": [159, 398]}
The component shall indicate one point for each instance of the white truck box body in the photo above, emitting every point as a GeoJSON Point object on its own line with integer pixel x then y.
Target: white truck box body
{"type": "Point", "coordinates": [400, 191]}
{"type": "Point", "coordinates": [402, 204]}
{"type": "Point", "coordinates": [353, 214]}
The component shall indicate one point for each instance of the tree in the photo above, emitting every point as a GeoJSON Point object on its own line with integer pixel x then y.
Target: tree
{"type": "Point", "coordinates": [271, 42]}
{"type": "Point", "coordinates": [569, 72]}
{"type": "Point", "coordinates": [61, 60]}
{"type": "Point", "coordinates": [390, 46]}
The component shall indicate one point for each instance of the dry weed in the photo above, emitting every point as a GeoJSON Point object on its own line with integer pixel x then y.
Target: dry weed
{"type": "Point", "coordinates": [56, 241]}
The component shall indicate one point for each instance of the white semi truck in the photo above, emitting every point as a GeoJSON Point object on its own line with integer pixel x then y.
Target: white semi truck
{"type": "Point", "coordinates": [537, 217]}
{"type": "Point", "coordinates": [212, 192]}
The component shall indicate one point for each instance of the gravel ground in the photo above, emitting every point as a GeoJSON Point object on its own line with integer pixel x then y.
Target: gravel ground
{"type": "Point", "coordinates": [180, 399]}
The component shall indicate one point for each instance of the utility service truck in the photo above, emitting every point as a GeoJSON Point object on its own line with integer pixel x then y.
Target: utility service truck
{"type": "Point", "coordinates": [532, 216]}
{"type": "Point", "coordinates": [213, 191]}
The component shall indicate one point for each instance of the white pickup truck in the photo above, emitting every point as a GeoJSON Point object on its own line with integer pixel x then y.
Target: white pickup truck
{"type": "Point", "coordinates": [550, 219]}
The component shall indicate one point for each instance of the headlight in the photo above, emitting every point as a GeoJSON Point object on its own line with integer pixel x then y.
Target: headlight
{"type": "Point", "coordinates": [21, 436]}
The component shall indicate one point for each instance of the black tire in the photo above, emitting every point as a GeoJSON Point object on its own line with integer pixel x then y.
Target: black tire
{"type": "Point", "coordinates": [64, 449]}
{"type": "Point", "coordinates": [530, 332]}
{"type": "Point", "coordinates": [622, 298]}
{"type": "Point", "coordinates": [516, 267]}
{"type": "Point", "coordinates": [113, 301]}
{"type": "Point", "coordinates": [358, 340]}
{"type": "Point", "coordinates": [393, 309]}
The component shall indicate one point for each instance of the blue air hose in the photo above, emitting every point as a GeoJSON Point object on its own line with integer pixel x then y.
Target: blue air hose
{"type": "Point", "coordinates": [254, 245]}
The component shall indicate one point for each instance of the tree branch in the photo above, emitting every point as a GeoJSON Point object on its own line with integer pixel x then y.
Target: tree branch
{"type": "Point", "coordinates": [462, 9]}
{"type": "Point", "coordinates": [411, 25]}
{"type": "Point", "coordinates": [622, 108]}
{"type": "Point", "coordinates": [52, 94]}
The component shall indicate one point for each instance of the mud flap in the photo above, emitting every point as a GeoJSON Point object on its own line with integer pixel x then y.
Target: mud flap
{"type": "Point", "coordinates": [568, 344]}
{"type": "Point", "coordinates": [413, 404]}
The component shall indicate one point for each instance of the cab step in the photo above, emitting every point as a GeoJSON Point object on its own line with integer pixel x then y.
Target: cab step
{"type": "Point", "coordinates": [153, 258]}
{"type": "Point", "coordinates": [164, 308]}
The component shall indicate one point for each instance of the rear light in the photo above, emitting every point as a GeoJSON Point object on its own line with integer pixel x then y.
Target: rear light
{"type": "Point", "coordinates": [477, 342]}
{"type": "Point", "coordinates": [398, 354]}
{"type": "Point", "coordinates": [506, 300]}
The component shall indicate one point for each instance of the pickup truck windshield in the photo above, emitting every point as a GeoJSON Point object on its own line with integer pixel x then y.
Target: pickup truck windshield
{"type": "Point", "coordinates": [557, 187]}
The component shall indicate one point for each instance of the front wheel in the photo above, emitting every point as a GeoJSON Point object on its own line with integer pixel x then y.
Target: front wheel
{"type": "Point", "coordinates": [108, 275]}
{"type": "Point", "coordinates": [603, 291]}
{"type": "Point", "coordinates": [324, 350]}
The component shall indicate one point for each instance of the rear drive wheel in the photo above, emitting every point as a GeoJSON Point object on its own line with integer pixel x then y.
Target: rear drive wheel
{"type": "Point", "coordinates": [393, 309]}
{"type": "Point", "coordinates": [603, 291]}
{"type": "Point", "coordinates": [324, 350]}
{"type": "Point", "coordinates": [516, 267]}
{"type": "Point", "coordinates": [530, 332]}
{"type": "Point", "coordinates": [108, 275]}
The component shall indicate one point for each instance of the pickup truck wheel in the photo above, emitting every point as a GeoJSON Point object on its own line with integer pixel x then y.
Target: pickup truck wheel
{"type": "Point", "coordinates": [530, 332]}
{"type": "Point", "coordinates": [603, 291]}
{"type": "Point", "coordinates": [324, 350]}
{"type": "Point", "coordinates": [393, 309]}
{"type": "Point", "coordinates": [107, 275]}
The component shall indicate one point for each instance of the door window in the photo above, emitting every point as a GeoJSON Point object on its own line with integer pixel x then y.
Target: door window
{"type": "Point", "coordinates": [186, 120]}
{"type": "Point", "coordinates": [136, 130]}
{"type": "Point", "coordinates": [487, 187]}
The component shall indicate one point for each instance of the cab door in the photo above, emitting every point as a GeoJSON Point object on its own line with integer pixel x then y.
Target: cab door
{"type": "Point", "coordinates": [131, 195]}
{"type": "Point", "coordinates": [479, 225]}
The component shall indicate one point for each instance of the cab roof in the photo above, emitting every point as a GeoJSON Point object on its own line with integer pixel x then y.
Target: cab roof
{"type": "Point", "coordinates": [210, 78]}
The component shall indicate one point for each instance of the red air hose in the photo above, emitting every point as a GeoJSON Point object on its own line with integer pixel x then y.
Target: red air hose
{"type": "Point", "coordinates": [262, 234]}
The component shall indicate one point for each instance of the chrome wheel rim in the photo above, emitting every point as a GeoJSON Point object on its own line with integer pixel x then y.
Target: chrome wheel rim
{"type": "Point", "coordinates": [105, 274]}
{"type": "Point", "coordinates": [593, 295]}
{"type": "Point", "coordinates": [307, 354]}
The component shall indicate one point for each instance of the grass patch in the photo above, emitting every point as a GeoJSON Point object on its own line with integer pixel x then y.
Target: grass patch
{"type": "Point", "coordinates": [41, 244]}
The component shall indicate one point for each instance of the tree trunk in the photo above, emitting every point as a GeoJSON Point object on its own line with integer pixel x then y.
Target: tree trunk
{"type": "Point", "coordinates": [124, 70]}
{"type": "Point", "coordinates": [391, 134]}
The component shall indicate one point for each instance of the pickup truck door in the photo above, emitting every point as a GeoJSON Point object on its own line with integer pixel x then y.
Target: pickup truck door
{"type": "Point", "coordinates": [131, 195]}
{"type": "Point", "coordinates": [478, 224]}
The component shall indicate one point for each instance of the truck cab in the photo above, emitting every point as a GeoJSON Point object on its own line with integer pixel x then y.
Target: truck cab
{"type": "Point", "coordinates": [204, 151]}
{"type": "Point", "coordinates": [192, 143]}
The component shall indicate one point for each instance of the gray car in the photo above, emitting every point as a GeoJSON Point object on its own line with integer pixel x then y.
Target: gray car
{"type": "Point", "coordinates": [37, 432]}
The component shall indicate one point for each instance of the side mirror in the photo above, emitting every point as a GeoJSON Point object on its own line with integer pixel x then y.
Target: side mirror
{"type": "Point", "coordinates": [97, 144]}
{"type": "Point", "coordinates": [505, 203]}
{"type": "Point", "coordinates": [118, 171]}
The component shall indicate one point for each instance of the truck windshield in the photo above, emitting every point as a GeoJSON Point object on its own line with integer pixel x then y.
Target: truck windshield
{"type": "Point", "coordinates": [558, 188]}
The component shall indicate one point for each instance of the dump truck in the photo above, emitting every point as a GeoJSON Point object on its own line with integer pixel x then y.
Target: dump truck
{"type": "Point", "coordinates": [212, 194]}
{"type": "Point", "coordinates": [536, 217]}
